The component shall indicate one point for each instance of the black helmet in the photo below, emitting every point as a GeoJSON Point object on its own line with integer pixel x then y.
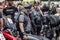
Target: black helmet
{"type": "Point", "coordinates": [28, 6]}
{"type": "Point", "coordinates": [45, 8]}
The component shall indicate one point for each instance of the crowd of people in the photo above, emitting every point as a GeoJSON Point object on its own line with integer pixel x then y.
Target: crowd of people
{"type": "Point", "coordinates": [38, 19]}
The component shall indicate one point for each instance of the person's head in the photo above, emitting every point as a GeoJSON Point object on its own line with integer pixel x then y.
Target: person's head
{"type": "Point", "coordinates": [45, 8]}
{"type": "Point", "coordinates": [4, 2]}
{"type": "Point", "coordinates": [54, 5]}
{"type": "Point", "coordinates": [36, 6]}
{"type": "Point", "coordinates": [28, 6]}
{"type": "Point", "coordinates": [1, 7]}
{"type": "Point", "coordinates": [9, 3]}
{"type": "Point", "coordinates": [58, 10]}
{"type": "Point", "coordinates": [40, 5]}
{"type": "Point", "coordinates": [26, 11]}
{"type": "Point", "coordinates": [19, 5]}
{"type": "Point", "coordinates": [32, 7]}
{"type": "Point", "coordinates": [57, 6]}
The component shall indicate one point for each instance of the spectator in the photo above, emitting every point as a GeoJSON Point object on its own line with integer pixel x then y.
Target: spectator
{"type": "Point", "coordinates": [58, 11]}
{"type": "Point", "coordinates": [53, 9]}
{"type": "Point", "coordinates": [4, 4]}
{"type": "Point", "coordinates": [1, 16]}
{"type": "Point", "coordinates": [24, 20]}
{"type": "Point", "coordinates": [10, 10]}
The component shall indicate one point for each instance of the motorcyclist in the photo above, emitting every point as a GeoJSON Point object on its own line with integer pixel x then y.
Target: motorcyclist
{"type": "Point", "coordinates": [24, 22]}
{"type": "Point", "coordinates": [35, 16]}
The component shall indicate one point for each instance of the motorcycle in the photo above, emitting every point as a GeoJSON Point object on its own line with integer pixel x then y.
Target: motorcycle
{"type": "Point", "coordinates": [6, 35]}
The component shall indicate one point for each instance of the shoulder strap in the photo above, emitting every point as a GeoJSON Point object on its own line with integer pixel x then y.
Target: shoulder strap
{"type": "Point", "coordinates": [18, 15]}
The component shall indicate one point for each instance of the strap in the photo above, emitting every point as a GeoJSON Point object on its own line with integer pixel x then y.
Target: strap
{"type": "Point", "coordinates": [18, 17]}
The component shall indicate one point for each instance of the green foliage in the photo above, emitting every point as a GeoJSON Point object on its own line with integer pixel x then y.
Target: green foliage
{"type": "Point", "coordinates": [23, 2]}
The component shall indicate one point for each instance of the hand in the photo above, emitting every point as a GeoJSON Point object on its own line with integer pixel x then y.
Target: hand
{"type": "Point", "coordinates": [25, 37]}
{"type": "Point", "coordinates": [1, 28]}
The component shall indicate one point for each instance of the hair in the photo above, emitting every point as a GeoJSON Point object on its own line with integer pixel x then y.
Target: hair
{"type": "Point", "coordinates": [45, 8]}
{"type": "Point", "coordinates": [52, 3]}
{"type": "Point", "coordinates": [0, 3]}
{"type": "Point", "coordinates": [10, 3]}
{"type": "Point", "coordinates": [19, 4]}
{"type": "Point", "coordinates": [25, 11]}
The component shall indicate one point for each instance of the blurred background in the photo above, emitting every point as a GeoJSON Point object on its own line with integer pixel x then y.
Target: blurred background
{"type": "Point", "coordinates": [32, 1]}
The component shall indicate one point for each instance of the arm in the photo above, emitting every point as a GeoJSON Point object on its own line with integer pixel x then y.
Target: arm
{"type": "Point", "coordinates": [21, 27]}
{"type": "Point", "coordinates": [1, 21]}
{"type": "Point", "coordinates": [21, 23]}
